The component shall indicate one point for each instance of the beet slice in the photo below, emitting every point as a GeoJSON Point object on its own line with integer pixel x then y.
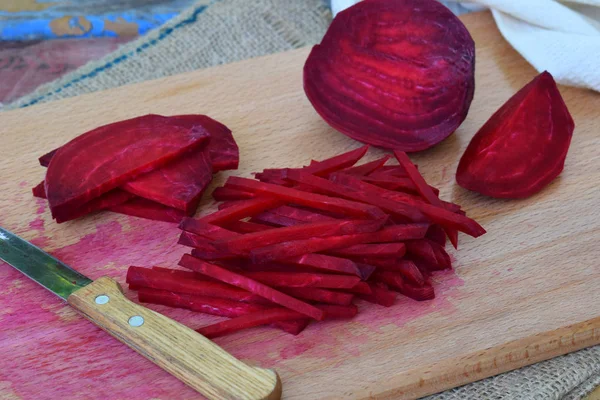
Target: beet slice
{"type": "Point", "coordinates": [522, 147]}
{"type": "Point", "coordinates": [39, 190]}
{"type": "Point", "coordinates": [397, 74]}
{"type": "Point", "coordinates": [224, 151]}
{"type": "Point", "coordinates": [303, 279]}
{"type": "Point", "coordinates": [179, 184]}
{"type": "Point", "coordinates": [45, 159]}
{"type": "Point", "coordinates": [111, 155]}
{"type": "Point", "coordinates": [144, 208]}
{"type": "Point", "coordinates": [219, 273]}
{"type": "Point", "coordinates": [203, 304]}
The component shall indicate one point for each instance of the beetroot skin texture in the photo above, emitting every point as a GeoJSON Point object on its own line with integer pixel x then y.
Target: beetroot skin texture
{"type": "Point", "coordinates": [522, 147]}
{"type": "Point", "coordinates": [398, 74]}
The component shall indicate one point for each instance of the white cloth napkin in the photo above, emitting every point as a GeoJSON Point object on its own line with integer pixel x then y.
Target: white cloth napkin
{"type": "Point", "coordinates": [562, 37]}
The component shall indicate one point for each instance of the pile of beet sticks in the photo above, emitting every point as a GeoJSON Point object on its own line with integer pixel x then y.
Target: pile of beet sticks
{"type": "Point", "coordinates": [297, 245]}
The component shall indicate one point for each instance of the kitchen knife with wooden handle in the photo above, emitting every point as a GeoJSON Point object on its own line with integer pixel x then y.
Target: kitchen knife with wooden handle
{"type": "Point", "coordinates": [184, 353]}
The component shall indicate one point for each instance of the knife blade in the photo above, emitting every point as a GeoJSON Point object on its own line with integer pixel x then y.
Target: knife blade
{"type": "Point", "coordinates": [184, 353]}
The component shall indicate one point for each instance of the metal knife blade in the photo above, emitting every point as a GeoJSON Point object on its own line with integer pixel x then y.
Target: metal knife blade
{"type": "Point", "coordinates": [40, 266]}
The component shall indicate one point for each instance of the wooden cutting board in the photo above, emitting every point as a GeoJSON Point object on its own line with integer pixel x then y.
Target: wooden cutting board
{"type": "Point", "coordinates": [524, 292]}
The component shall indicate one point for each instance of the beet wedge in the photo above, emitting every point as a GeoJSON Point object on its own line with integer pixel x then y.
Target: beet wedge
{"type": "Point", "coordinates": [221, 274]}
{"type": "Point", "coordinates": [111, 155]}
{"type": "Point", "coordinates": [522, 147]}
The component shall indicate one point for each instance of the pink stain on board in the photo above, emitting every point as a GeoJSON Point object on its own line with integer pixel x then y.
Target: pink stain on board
{"type": "Point", "coordinates": [47, 351]}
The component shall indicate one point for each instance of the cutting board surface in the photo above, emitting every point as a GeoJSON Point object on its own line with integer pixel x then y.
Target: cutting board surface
{"type": "Point", "coordinates": [524, 292]}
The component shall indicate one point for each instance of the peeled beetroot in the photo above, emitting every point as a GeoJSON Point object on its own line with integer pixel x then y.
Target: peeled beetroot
{"type": "Point", "coordinates": [522, 147]}
{"type": "Point", "coordinates": [397, 74]}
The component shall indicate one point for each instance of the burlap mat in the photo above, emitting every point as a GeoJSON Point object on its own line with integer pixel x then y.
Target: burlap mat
{"type": "Point", "coordinates": [217, 32]}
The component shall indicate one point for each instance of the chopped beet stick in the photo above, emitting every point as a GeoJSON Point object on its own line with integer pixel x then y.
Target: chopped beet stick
{"type": "Point", "coordinates": [293, 327]}
{"type": "Point", "coordinates": [430, 252]}
{"type": "Point", "coordinates": [203, 304]}
{"type": "Point", "coordinates": [380, 295]}
{"type": "Point", "coordinates": [328, 263]}
{"type": "Point", "coordinates": [146, 277]}
{"type": "Point", "coordinates": [338, 312]}
{"type": "Point", "coordinates": [303, 279]}
{"type": "Point", "coordinates": [242, 244]}
{"type": "Point", "coordinates": [268, 217]}
{"type": "Point", "coordinates": [321, 202]}
{"type": "Point", "coordinates": [225, 193]}
{"type": "Point", "coordinates": [249, 321]}
{"type": "Point", "coordinates": [251, 285]}
{"type": "Point", "coordinates": [301, 214]}
{"type": "Point", "coordinates": [410, 273]}
{"type": "Point", "coordinates": [367, 168]}
{"type": "Point", "coordinates": [372, 250]}
{"type": "Point", "coordinates": [244, 209]}
{"type": "Point", "coordinates": [335, 189]}
{"type": "Point", "coordinates": [299, 247]}
{"type": "Point", "coordinates": [360, 288]}
{"type": "Point", "coordinates": [320, 295]}
{"type": "Point", "coordinates": [424, 189]}
{"type": "Point", "coordinates": [436, 233]}
{"type": "Point", "coordinates": [247, 227]}
{"type": "Point", "coordinates": [206, 230]}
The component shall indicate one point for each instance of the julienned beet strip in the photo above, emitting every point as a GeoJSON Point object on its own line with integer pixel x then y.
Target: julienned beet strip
{"type": "Point", "coordinates": [250, 285]}
{"type": "Point", "coordinates": [311, 240]}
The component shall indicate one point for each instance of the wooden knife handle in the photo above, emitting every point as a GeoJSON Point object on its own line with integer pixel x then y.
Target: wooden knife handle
{"type": "Point", "coordinates": [184, 353]}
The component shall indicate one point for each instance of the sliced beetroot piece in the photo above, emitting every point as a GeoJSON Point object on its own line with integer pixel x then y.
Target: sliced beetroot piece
{"type": "Point", "coordinates": [39, 190]}
{"type": "Point", "coordinates": [331, 188]}
{"type": "Point", "coordinates": [243, 209]}
{"type": "Point", "coordinates": [225, 193]}
{"type": "Point", "coordinates": [320, 295]}
{"type": "Point", "coordinates": [339, 312]}
{"type": "Point", "coordinates": [295, 248]}
{"type": "Point", "coordinates": [319, 168]}
{"type": "Point", "coordinates": [224, 152]}
{"type": "Point", "coordinates": [203, 304]}
{"type": "Point", "coordinates": [207, 230]}
{"type": "Point", "coordinates": [390, 170]}
{"type": "Point", "coordinates": [424, 190]}
{"type": "Point", "coordinates": [372, 250]}
{"type": "Point", "coordinates": [380, 295]}
{"type": "Point", "coordinates": [111, 155]}
{"type": "Point", "coordinates": [268, 217]}
{"type": "Point", "coordinates": [202, 248]}
{"type": "Point", "coordinates": [146, 277]}
{"type": "Point", "coordinates": [219, 273]}
{"type": "Point", "coordinates": [430, 252]}
{"type": "Point", "coordinates": [320, 202]}
{"type": "Point", "coordinates": [179, 184]}
{"type": "Point", "coordinates": [243, 244]}
{"type": "Point", "coordinates": [143, 208]}
{"type": "Point", "coordinates": [367, 168]}
{"type": "Point", "coordinates": [303, 279]}
{"type": "Point", "coordinates": [410, 273]}
{"type": "Point", "coordinates": [293, 327]}
{"type": "Point", "coordinates": [106, 201]}
{"type": "Point", "coordinates": [360, 288]}
{"type": "Point", "coordinates": [436, 233]}
{"type": "Point", "coordinates": [301, 214]}
{"type": "Point", "coordinates": [249, 321]}
{"type": "Point", "coordinates": [45, 159]}
{"type": "Point", "coordinates": [435, 214]}
{"type": "Point", "coordinates": [522, 147]}
{"type": "Point", "coordinates": [397, 74]}
{"type": "Point", "coordinates": [247, 227]}
{"type": "Point", "coordinates": [328, 263]}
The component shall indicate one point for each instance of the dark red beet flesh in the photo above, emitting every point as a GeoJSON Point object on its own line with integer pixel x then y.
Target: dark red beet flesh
{"type": "Point", "coordinates": [397, 74]}
{"type": "Point", "coordinates": [143, 208]}
{"type": "Point", "coordinates": [119, 152]}
{"type": "Point", "coordinates": [522, 147]}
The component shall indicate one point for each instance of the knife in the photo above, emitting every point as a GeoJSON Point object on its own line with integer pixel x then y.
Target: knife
{"type": "Point", "coordinates": [184, 353]}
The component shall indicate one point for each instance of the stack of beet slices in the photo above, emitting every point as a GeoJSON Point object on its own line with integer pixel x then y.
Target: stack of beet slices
{"type": "Point", "coordinates": [152, 167]}
{"type": "Point", "coordinates": [302, 244]}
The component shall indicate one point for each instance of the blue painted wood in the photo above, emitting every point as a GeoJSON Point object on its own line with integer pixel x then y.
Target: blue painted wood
{"type": "Point", "coordinates": [85, 18]}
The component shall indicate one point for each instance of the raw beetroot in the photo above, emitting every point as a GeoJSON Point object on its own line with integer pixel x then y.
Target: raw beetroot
{"type": "Point", "coordinates": [312, 240]}
{"type": "Point", "coordinates": [397, 74]}
{"type": "Point", "coordinates": [522, 147]}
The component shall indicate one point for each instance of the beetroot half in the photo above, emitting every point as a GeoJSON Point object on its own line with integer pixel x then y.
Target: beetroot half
{"type": "Point", "coordinates": [397, 74]}
{"type": "Point", "coordinates": [522, 147]}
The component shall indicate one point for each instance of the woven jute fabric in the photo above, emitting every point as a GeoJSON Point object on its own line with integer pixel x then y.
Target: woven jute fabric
{"type": "Point", "coordinates": [218, 32]}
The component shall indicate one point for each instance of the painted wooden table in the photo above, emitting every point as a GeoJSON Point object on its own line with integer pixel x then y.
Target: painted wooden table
{"type": "Point", "coordinates": [524, 292]}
